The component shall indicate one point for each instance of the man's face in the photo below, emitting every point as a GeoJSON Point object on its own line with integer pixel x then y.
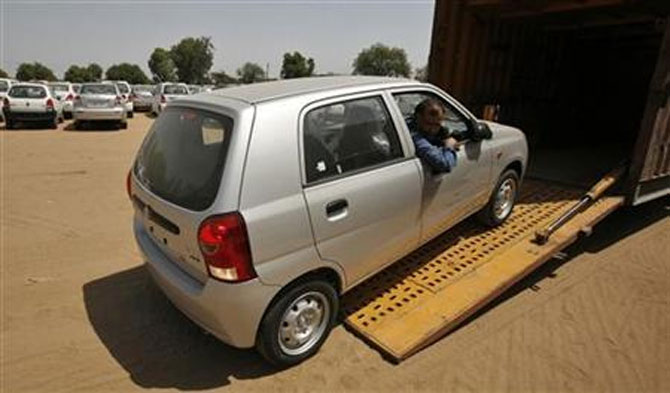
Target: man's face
{"type": "Point", "coordinates": [430, 120]}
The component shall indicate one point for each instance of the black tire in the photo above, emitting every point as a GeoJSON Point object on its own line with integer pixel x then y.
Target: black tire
{"type": "Point", "coordinates": [130, 115]}
{"type": "Point", "coordinates": [54, 123]}
{"type": "Point", "coordinates": [123, 125]}
{"type": "Point", "coordinates": [9, 124]}
{"type": "Point", "coordinates": [67, 115]}
{"type": "Point", "coordinates": [268, 340]}
{"type": "Point", "coordinates": [488, 214]}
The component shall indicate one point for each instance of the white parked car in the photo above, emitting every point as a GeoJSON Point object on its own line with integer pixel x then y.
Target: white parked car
{"type": "Point", "coordinates": [99, 102]}
{"type": "Point", "coordinates": [64, 92]}
{"type": "Point", "coordinates": [166, 92]}
{"type": "Point", "coordinates": [142, 97]}
{"type": "Point", "coordinates": [31, 102]}
{"type": "Point", "coordinates": [5, 84]}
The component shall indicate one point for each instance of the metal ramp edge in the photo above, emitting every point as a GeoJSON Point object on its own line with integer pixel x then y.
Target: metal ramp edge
{"type": "Point", "coordinates": [420, 298]}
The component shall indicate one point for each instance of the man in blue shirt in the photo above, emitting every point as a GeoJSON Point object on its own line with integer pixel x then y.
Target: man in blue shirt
{"type": "Point", "coordinates": [432, 142]}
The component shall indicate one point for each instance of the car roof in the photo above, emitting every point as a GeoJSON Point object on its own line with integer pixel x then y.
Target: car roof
{"type": "Point", "coordinates": [266, 91]}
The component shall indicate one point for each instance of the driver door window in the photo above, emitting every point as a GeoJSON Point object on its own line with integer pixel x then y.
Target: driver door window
{"type": "Point", "coordinates": [454, 121]}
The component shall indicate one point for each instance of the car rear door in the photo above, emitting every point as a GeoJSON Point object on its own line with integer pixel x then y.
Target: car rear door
{"type": "Point", "coordinates": [450, 197]}
{"type": "Point", "coordinates": [362, 189]}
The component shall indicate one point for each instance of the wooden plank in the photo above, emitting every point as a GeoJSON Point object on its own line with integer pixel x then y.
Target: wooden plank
{"type": "Point", "coordinates": [431, 312]}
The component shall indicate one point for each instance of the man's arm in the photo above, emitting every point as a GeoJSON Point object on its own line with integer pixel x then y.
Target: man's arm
{"type": "Point", "coordinates": [440, 159]}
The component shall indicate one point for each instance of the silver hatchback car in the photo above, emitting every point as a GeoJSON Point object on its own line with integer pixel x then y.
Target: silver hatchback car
{"type": "Point", "coordinates": [257, 206]}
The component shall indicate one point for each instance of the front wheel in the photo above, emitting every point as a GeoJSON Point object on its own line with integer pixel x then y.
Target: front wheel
{"type": "Point", "coordinates": [297, 324]}
{"type": "Point", "coordinates": [502, 200]}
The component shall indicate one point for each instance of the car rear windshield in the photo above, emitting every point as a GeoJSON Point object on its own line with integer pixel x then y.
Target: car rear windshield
{"type": "Point", "coordinates": [174, 89]}
{"type": "Point", "coordinates": [60, 87]}
{"type": "Point", "coordinates": [4, 86]}
{"type": "Point", "coordinates": [142, 89]}
{"type": "Point", "coordinates": [105, 89]}
{"type": "Point", "coordinates": [122, 88]}
{"type": "Point", "coordinates": [28, 92]}
{"type": "Point", "coordinates": [183, 155]}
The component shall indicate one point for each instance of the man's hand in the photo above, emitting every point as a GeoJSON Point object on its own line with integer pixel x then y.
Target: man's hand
{"type": "Point", "coordinates": [451, 143]}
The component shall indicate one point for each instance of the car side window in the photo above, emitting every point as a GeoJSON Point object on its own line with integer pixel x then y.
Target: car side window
{"type": "Point", "coordinates": [348, 136]}
{"type": "Point", "coordinates": [454, 121]}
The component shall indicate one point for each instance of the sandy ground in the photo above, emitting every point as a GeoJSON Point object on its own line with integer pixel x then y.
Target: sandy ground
{"type": "Point", "coordinates": [79, 312]}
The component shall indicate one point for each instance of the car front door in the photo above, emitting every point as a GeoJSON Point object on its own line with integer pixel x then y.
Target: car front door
{"type": "Point", "coordinates": [362, 189]}
{"type": "Point", "coordinates": [450, 197]}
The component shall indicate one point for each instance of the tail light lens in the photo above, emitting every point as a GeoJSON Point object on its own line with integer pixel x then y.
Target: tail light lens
{"type": "Point", "coordinates": [224, 244]}
{"type": "Point", "coordinates": [118, 100]}
{"type": "Point", "coordinates": [69, 97]}
{"type": "Point", "coordinates": [50, 104]}
{"type": "Point", "coordinates": [162, 99]}
{"type": "Point", "coordinates": [128, 179]}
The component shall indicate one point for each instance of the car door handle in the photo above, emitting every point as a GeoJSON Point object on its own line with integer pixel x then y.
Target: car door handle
{"type": "Point", "coordinates": [336, 207]}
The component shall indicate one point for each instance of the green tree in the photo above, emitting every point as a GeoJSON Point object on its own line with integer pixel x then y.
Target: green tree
{"type": "Point", "coordinates": [3, 74]}
{"type": "Point", "coordinates": [130, 73]}
{"type": "Point", "coordinates": [94, 72]}
{"type": "Point", "coordinates": [380, 59]}
{"type": "Point", "coordinates": [220, 78]}
{"type": "Point", "coordinates": [250, 73]}
{"type": "Point", "coordinates": [34, 71]}
{"type": "Point", "coordinates": [295, 65]}
{"type": "Point", "coordinates": [193, 58]}
{"type": "Point", "coordinates": [161, 66]}
{"type": "Point", "coordinates": [76, 74]}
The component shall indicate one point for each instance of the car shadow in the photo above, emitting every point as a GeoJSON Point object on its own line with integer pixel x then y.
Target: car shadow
{"type": "Point", "coordinates": [28, 126]}
{"type": "Point", "coordinates": [94, 127]}
{"type": "Point", "coordinates": [155, 343]}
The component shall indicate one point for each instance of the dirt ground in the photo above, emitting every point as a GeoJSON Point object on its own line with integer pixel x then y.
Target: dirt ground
{"type": "Point", "coordinates": [79, 312]}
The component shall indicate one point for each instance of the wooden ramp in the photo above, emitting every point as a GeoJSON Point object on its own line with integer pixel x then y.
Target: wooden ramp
{"type": "Point", "coordinates": [419, 299]}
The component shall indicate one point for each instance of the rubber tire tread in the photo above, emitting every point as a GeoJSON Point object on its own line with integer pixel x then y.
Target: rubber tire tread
{"type": "Point", "coordinates": [267, 339]}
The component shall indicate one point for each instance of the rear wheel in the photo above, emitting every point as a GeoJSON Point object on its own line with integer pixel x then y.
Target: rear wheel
{"type": "Point", "coordinates": [502, 200]}
{"type": "Point", "coordinates": [123, 125]}
{"type": "Point", "coordinates": [130, 115]}
{"type": "Point", "coordinates": [9, 124]}
{"type": "Point", "coordinates": [54, 123]}
{"type": "Point", "coordinates": [297, 324]}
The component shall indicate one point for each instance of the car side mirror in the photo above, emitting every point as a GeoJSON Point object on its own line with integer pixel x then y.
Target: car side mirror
{"type": "Point", "coordinates": [481, 131]}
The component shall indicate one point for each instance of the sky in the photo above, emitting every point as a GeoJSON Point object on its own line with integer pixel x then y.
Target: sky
{"type": "Point", "coordinates": [59, 33]}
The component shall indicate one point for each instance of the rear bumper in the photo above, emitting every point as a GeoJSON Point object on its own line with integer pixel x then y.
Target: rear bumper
{"type": "Point", "coordinates": [87, 114]}
{"type": "Point", "coordinates": [68, 106]}
{"type": "Point", "coordinates": [231, 312]}
{"type": "Point", "coordinates": [28, 116]}
{"type": "Point", "coordinates": [137, 105]}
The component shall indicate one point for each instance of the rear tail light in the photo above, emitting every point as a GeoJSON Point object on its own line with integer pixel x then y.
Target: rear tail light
{"type": "Point", "coordinates": [50, 103]}
{"type": "Point", "coordinates": [128, 179]}
{"type": "Point", "coordinates": [162, 99]}
{"type": "Point", "coordinates": [69, 97]}
{"type": "Point", "coordinates": [77, 97]}
{"type": "Point", "coordinates": [118, 100]}
{"type": "Point", "coordinates": [224, 244]}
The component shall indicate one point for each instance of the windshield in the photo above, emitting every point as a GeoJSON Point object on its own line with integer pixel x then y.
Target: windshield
{"type": "Point", "coordinates": [143, 89]}
{"type": "Point", "coordinates": [106, 89]}
{"type": "Point", "coordinates": [28, 92]}
{"type": "Point", "coordinates": [60, 88]}
{"type": "Point", "coordinates": [4, 86]}
{"type": "Point", "coordinates": [183, 155]}
{"type": "Point", "coordinates": [175, 89]}
{"type": "Point", "coordinates": [123, 88]}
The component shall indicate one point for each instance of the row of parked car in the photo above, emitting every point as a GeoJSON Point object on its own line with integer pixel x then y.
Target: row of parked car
{"type": "Point", "coordinates": [116, 101]}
